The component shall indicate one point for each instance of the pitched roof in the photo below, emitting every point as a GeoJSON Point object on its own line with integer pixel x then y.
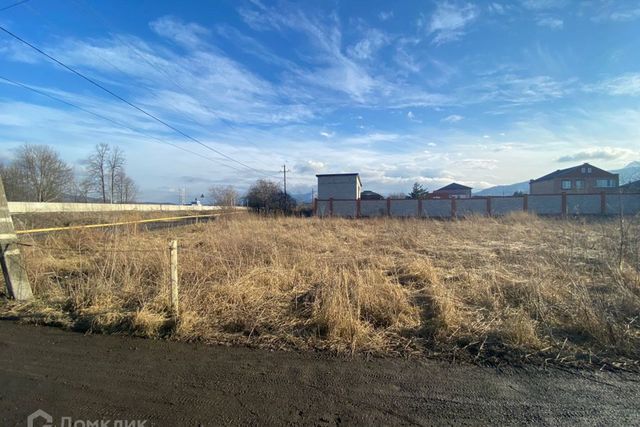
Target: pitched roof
{"type": "Point", "coordinates": [454, 186]}
{"type": "Point", "coordinates": [567, 171]}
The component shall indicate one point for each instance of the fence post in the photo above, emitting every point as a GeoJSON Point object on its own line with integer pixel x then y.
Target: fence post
{"type": "Point", "coordinates": [603, 203]}
{"type": "Point", "coordinates": [330, 206]}
{"type": "Point", "coordinates": [564, 204]}
{"type": "Point", "coordinates": [388, 206]}
{"type": "Point", "coordinates": [173, 251]}
{"type": "Point", "coordinates": [525, 202]}
{"type": "Point", "coordinates": [488, 206]}
{"type": "Point", "coordinates": [15, 276]}
{"type": "Point", "coordinates": [454, 210]}
{"type": "Point", "coordinates": [357, 208]}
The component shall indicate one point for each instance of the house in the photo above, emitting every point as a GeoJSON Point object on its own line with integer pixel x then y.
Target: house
{"type": "Point", "coordinates": [339, 186]}
{"type": "Point", "coordinates": [631, 187]}
{"type": "Point", "coordinates": [584, 178]}
{"type": "Point", "coordinates": [452, 191]}
{"type": "Point", "coordinates": [370, 195]}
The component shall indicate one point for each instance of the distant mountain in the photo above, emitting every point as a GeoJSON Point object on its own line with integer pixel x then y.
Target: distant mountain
{"type": "Point", "coordinates": [630, 172]}
{"type": "Point", "coordinates": [302, 197]}
{"type": "Point", "coordinates": [504, 190]}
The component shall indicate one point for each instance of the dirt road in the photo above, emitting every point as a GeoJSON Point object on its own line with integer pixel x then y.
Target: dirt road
{"type": "Point", "coordinates": [113, 378]}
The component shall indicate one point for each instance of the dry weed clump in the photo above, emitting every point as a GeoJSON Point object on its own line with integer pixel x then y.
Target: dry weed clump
{"type": "Point", "coordinates": [517, 288]}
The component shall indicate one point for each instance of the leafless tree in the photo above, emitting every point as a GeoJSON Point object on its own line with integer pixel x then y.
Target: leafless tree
{"type": "Point", "coordinates": [39, 174]}
{"type": "Point", "coordinates": [126, 189]}
{"type": "Point", "coordinates": [223, 195]}
{"type": "Point", "coordinates": [115, 168]}
{"type": "Point", "coordinates": [97, 169]}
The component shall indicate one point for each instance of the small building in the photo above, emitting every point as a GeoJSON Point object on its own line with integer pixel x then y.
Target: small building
{"type": "Point", "coordinates": [339, 186]}
{"type": "Point", "coordinates": [370, 195]}
{"type": "Point", "coordinates": [584, 178]}
{"type": "Point", "coordinates": [452, 191]}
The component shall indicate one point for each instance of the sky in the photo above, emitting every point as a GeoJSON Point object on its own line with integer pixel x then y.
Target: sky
{"type": "Point", "coordinates": [482, 93]}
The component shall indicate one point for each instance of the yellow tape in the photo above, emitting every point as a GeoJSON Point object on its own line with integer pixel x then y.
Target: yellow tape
{"type": "Point", "coordinates": [113, 224]}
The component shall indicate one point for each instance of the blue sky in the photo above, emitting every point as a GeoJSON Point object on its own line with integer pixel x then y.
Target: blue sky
{"type": "Point", "coordinates": [480, 93]}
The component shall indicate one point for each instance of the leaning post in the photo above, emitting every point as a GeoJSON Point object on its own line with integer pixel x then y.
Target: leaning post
{"type": "Point", "coordinates": [15, 276]}
{"type": "Point", "coordinates": [173, 252]}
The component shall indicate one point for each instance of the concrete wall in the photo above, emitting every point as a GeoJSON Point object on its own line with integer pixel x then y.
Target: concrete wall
{"type": "Point", "coordinates": [584, 204]}
{"type": "Point", "coordinates": [545, 205]}
{"type": "Point", "coordinates": [436, 208]}
{"type": "Point", "coordinates": [370, 208]}
{"type": "Point", "coordinates": [550, 204]}
{"type": "Point", "coordinates": [468, 207]}
{"type": "Point", "coordinates": [404, 208]}
{"type": "Point", "coordinates": [46, 207]}
{"type": "Point", "coordinates": [504, 205]}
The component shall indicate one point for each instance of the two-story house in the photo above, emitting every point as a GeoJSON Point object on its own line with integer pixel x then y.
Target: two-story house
{"type": "Point", "coordinates": [584, 178]}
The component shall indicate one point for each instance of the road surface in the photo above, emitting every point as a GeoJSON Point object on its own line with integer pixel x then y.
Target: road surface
{"type": "Point", "coordinates": [98, 377]}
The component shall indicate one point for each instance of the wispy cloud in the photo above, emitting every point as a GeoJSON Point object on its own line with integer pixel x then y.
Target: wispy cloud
{"type": "Point", "coordinates": [625, 85]}
{"type": "Point", "coordinates": [549, 22]}
{"type": "Point", "coordinates": [453, 118]}
{"type": "Point", "coordinates": [449, 21]}
{"type": "Point", "coordinates": [600, 153]}
{"type": "Point", "coordinates": [187, 34]}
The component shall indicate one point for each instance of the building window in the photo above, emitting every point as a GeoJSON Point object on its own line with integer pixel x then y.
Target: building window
{"type": "Point", "coordinates": [605, 183]}
{"type": "Point", "coordinates": [566, 184]}
{"type": "Point", "coordinates": [579, 184]}
{"type": "Point", "coordinates": [588, 170]}
{"type": "Point", "coordinates": [583, 170]}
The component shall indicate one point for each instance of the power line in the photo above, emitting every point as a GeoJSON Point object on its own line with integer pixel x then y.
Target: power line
{"type": "Point", "coordinates": [13, 5]}
{"type": "Point", "coordinates": [115, 95]}
{"type": "Point", "coordinates": [117, 123]}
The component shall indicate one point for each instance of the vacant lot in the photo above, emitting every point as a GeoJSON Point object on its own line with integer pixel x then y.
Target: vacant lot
{"type": "Point", "coordinates": [515, 289]}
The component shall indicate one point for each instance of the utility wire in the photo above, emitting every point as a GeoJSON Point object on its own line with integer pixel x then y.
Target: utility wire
{"type": "Point", "coordinates": [115, 122]}
{"type": "Point", "coordinates": [115, 95]}
{"type": "Point", "coordinates": [13, 5]}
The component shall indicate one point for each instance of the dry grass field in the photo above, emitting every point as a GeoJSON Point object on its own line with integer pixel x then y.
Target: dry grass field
{"type": "Point", "coordinates": [518, 289]}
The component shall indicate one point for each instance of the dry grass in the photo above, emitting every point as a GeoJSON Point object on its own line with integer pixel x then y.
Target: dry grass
{"type": "Point", "coordinates": [518, 288]}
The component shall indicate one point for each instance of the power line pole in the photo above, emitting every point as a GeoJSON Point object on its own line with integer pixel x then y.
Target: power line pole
{"type": "Point", "coordinates": [286, 199]}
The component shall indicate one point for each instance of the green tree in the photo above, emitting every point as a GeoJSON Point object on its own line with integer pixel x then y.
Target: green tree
{"type": "Point", "coordinates": [418, 192]}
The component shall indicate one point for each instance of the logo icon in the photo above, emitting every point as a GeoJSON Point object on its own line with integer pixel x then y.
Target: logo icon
{"type": "Point", "coordinates": [48, 419]}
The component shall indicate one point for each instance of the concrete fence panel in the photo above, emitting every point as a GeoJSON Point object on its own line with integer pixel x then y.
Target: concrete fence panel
{"type": "Point", "coordinates": [404, 208]}
{"type": "Point", "coordinates": [345, 208]}
{"type": "Point", "coordinates": [469, 207]}
{"type": "Point", "coordinates": [584, 204]}
{"type": "Point", "coordinates": [505, 205]}
{"type": "Point", "coordinates": [51, 207]}
{"type": "Point", "coordinates": [436, 208]}
{"type": "Point", "coordinates": [630, 204]}
{"type": "Point", "coordinates": [322, 208]}
{"type": "Point", "coordinates": [371, 208]}
{"type": "Point", "coordinates": [545, 204]}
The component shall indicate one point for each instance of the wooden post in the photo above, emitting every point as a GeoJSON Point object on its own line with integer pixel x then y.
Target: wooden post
{"type": "Point", "coordinates": [603, 203]}
{"type": "Point", "coordinates": [13, 270]}
{"type": "Point", "coordinates": [488, 206]}
{"type": "Point", "coordinates": [525, 203]}
{"type": "Point", "coordinates": [173, 251]}
{"type": "Point", "coordinates": [330, 206]}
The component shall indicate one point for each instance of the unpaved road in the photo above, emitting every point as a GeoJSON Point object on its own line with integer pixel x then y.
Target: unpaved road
{"type": "Point", "coordinates": [113, 378]}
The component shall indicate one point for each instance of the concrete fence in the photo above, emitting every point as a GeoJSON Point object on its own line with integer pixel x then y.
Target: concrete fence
{"type": "Point", "coordinates": [47, 207]}
{"type": "Point", "coordinates": [541, 204]}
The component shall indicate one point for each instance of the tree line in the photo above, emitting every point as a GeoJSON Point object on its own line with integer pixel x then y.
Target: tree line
{"type": "Point", "coordinates": [262, 196]}
{"type": "Point", "coordinates": [37, 173]}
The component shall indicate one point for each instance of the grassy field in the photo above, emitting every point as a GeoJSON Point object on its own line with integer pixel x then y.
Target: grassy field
{"type": "Point", "coordinates": [518, 289]}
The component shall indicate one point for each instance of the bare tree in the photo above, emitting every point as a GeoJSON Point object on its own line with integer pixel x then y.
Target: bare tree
{"type": "Point", "coordinates": [39, 173]}
{"type": "Point", "coordinates": [97, 167]}
{"type": "Point", "coordinates": [115, 168]}
{"type": "Point", "coordinates": [126, 189]}
{"type": "Point", "coordinates": [222, 195]}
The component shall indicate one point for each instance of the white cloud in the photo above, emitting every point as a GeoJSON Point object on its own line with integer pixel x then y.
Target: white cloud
{"type": "Point", "coordinates": [410, 115]}
{"type": "Point", "coordinates": [327, 134]}
{"type": "Point", "coordinates": [544, 4]}
{"type": "Point", "coordinates": [385, 16]}
{"type": "Point", "coordinates": [626, 84]}
{"type": "Point", "coordinates": [187, 34]}
{"type": "Point", "coordinates": [449, 20]}
{"type": "Point", "coordinates": [600, 153]}
{"type": "Point", "coordinates": [553, 23]}
{"type": "Point", "coordinates": [453, 118]}
{"type": "Point", "coordinates": [369, 45]}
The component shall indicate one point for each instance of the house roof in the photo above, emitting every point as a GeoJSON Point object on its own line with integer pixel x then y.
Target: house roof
{"type": "Point", "coordinates": [633, 184]}
{"type": "Point", "coordinates": [567, 171]}
{"type": "Point", "coordinates": [357, 175]}
{"type": "Point", "coordinates": [454, 186]}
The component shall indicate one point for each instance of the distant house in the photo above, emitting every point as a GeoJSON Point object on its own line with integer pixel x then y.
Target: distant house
{"type": "Point", "coordinates": [584, 178]}
{"type": "Point", "coordinates": [452, 191]}
{"type": "Point", "coordinates": [370, 195]}
{"type": "Point", "coordinates": [339, 186]}
{"type": "Point", "coordinates": [631, 187]}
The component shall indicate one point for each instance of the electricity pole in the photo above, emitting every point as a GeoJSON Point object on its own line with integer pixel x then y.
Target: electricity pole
{"type": "Point", "coordinates": [286, 199]}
